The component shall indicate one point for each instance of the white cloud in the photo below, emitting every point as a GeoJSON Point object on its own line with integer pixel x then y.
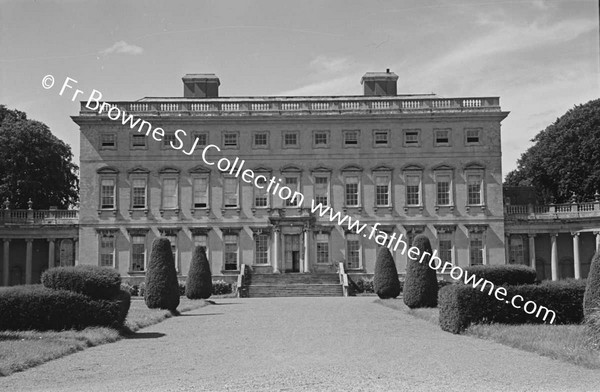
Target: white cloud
{"type": "Point", "coordinates": [328, 64]}
{"type": "Point", "coordinates": [123, 47]}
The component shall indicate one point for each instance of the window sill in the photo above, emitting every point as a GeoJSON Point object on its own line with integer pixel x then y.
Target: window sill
{"type": "Point", "coordinates": [469, 206]}
{"type": "Point", "coordinates": [419, 207]}
{"type": "Point", "coordinates": [112, 211]}
{"type": "Point", "coordinates": [449, 207]}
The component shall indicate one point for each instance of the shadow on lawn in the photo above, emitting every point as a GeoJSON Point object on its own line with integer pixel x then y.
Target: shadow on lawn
{"type": "Point", "coordinates": [202, 314]}
{"type": "Point", "coordinates": [145, 335]}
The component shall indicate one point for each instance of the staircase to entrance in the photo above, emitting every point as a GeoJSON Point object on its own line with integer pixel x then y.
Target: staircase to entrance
{"type": "Point", "coordinates": [293, 285]}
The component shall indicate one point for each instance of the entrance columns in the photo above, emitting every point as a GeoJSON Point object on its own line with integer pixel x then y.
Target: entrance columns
{"type": "Point", "coordinates": [597, 233]}
{"type": "Point", "coordinates": [305, 262]}
{"type": "Point", "coordinates": [51, 252]}
{"type": "Point", "coordinates": [29, 261]}
{"type": "Point", "coordinates": [507, 248]}
{"type": "Point", "coordinates": [5, 262]}
{"type": "Point", "coordinates": [532, 250]}
{"type": "Point", "coordinates": [576, 259]}
{"type": "Point", "coordinates": [276, 250]}
{"type": "Point", "coordinates": [554, 256]}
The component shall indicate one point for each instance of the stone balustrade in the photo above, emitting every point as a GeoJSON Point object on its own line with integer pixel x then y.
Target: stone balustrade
{"type": "Point", "coordinates": [553, 211]}
{"type": "Point", "coordinates": [45, 217]}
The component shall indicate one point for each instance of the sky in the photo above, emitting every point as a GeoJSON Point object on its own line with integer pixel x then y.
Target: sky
{"type": "Point", "coordinates": [541, 57]}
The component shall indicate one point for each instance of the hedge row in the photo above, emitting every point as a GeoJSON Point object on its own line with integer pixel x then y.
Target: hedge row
{"type": "Point", "coordinates": [510, 274]}
{"type": "Point", "coordinates": [93, 281]}
{"type": "Point", "coordinates": [40, 308]}
{"type": "Point", "coordinates": [461, 305]}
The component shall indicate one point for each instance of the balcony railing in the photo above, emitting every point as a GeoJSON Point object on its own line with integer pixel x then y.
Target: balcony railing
{"type": "Point", "coordinates": [39, 217]}
{"type": "Point", "coordinates": [553, 211]}
{"type": "Point", "coordinates": [297, 105]}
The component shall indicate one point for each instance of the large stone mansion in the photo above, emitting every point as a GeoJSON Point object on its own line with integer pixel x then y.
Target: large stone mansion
{"type": "Point", "coordinates": [412, 163]}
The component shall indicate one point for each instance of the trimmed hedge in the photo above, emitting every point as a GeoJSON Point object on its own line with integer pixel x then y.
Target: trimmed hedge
{"type": "Point", "coordinates": [385, 281]}
{"type": "Point", "coordinates": [93, 281]}
{"type": "Point", "coordinates": [509, 274]}
{"type": "Point", "coordinates": [162, 286]}
{"type": "Point", "coordinates": [420, 284]}
{"type": "Point", "coordinates": [40, 308]}
{"type": "Point", "coordinates": [461, 305]}
{"type": "Point", "coordinates": [199, 280]}
{"type": "Point", "coordinates": [591, 299]}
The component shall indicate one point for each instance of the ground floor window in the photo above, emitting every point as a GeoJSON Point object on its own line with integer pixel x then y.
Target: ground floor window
{"type": "Point", "coordinates": [322, 248]}
{"type": "Point", "coordinates": [476, 248]}
{"type": "Point", "coordinates": [138, 253]}
{"type": "Point", "coordinates": [445, 247]}
{"type": "Point", "coordinates": [261, 249]}
{"type": "Point", "coordinates": [517, 250]}
{"type": "Point", "coordinates": [352, 251]}
{"type": "Point", "coordinates": [231, 252]}
{"type": "Point", "coordinates": [107, 250]}
{"type": "Point", "coordinates": [201, 240]}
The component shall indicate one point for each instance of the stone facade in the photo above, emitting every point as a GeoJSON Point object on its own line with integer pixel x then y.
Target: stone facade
{"type": "Point", "coordinates": [413, 163]}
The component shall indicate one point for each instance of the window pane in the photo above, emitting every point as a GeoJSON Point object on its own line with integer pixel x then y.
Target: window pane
{"type": "Point", "coordinates": [322, 190]}
{"type": "Point", "coordinates": [351, 191]}
{"type": "Point", "coordinates": [260, 139]}
{"type": "Point", "coordinates": [445, 247]}
{"type": "Point", "coordinates": [107, 250]}
{"type": "Point", "coordinates": [108, 140]}
{"type": "Point", "coordinates": [169, 193]}
{"type": "Point", "coordinates": [138, 141]}
{"type": "Point", "coordinates": [381, 137]}
{"type": "Point", "coordinates": [168, 138]}
{"type": "Point", "coordinates": [260, 194]}
{"type": "Point", "coordinates": [230, 140]}
{"type": "Point", "coordinates": [322, 248]}
{"type": "Point", "coordinates": [202, 139]}
{"type": "Point", "coordinates": [351, 138]}
{"type": "Point", "coordinates": [321, 138]}
{"type": "Point", "coordinates": [261, 242]}
{"type": "Point", "coordinates": [442, 136]}
{"type": "Point", "coordinates": [353, 251]}
{"type": "Point", "coordinates": [201, 192]}
{"type": "Point", "coordinates": [474, 189]}
{"type": "Point", "coordinates": [231, 252]}
{"type": "Point", "coordinates": [107, 193]}
{"type": "Point", "coordinates": [413, 190]}
{"type": "Point", "coordinates": [472, 136]}
{"type": "Point", "coordinates": [382, 190]}
{"type": "Point", "coordinates": [517, 250]}
{"type": "Point", "coordinates": [290, 139]}
{"type": "Point", "coordinates": [139, 193]}
{"type": "Point", "coordinates": [292, 183]}
{"type": "Point", "coordinates": [443, 190]}
{"type": "Point", "coordinates": [476, 248]}
{"type": "Point", "coordinates": [138, 253]}
{"type": "Point", "coordinates": [231, 192]}
{"type": "Point", "coordinates": [201, 240]}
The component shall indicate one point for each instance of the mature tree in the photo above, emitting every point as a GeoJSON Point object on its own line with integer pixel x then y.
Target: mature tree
{"type": "Point", "coordinates": [420, 284]}
{"type": "Point", "coordinates": [565, 158]}
{"type": "Point", "coordinates": [34, 164]}
{"type": "Point", "coordinates": [385, 280]}
{"type": "Point", "coordinates": [198, 284]}
{"type": "Point", "coordinates": [162, 286]}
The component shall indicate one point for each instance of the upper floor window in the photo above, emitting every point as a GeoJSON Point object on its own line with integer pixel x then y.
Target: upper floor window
{"type": "Point", "coordinates": [230, 192]}
{"type": "Point", "coordinates": [201, 190]}
{"type": "Point", "coordinates": [170, 193]}
{"type": "Point", "coordinates": [138, 191]}
{"type": "Point", "coordinates": [474, 189]}
{"type": "Point", "coordinates": [230, 139]}
{"type": "Point", "coordinates": [108, 141]}
{"type": "Point", "coordinates": [382, 190]}
{"type": "Point", "coordinates": [290, 140]}
{"type": "Point", "coordinates": [472, 136]}
{"type": "Point", "coordinates": [138, 141]}
{"type": "Point", "coordinates": [322, 189]}
{"type": "Point", "coordinates": [442, 137]}
{"type": "Point", "coordinates": [261, 196]}
{"type": "Point", "coordinates": [292, 181]}
{"type": "Point", "coordinates": [202, 139]}
{"type": "Point", "coordinates": [411, 137]}
{"type": "Point", "coordinates": [381, 138]}
{"type": "Point", "coordinates": [413, 189]}
{"type": "Point", "coordinates": [351, 138]}
{"type": "Point", "coordinates": [107, 194]}
{"type": "Point", "coordinates": [260, 140]}
{"type": "Point", "coordinates": [443, 184]}
{"type": "Point", "coordinates": [321, 139]}
{"type": "Point", "coordinates": [168, 139]}
{"type": "Point", "coordinates": [352, 187]}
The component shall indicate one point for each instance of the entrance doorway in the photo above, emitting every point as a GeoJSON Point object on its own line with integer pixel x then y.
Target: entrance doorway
{"type": "Point", "coordinates": [292, 252]}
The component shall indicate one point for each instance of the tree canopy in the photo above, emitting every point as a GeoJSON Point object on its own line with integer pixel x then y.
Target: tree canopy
{"type": "Point", "coordinates": [34, 164]}
{"type": "Point", "coordinates": [565, 158]}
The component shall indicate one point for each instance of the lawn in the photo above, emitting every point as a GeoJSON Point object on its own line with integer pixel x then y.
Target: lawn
{"type": "Point", "coordinates": [20, 350]}
{"type": "Point", "coordinates": [566, 343]}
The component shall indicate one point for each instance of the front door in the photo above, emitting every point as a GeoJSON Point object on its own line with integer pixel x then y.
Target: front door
{"type": "Point", "coordinates": [292, 253]}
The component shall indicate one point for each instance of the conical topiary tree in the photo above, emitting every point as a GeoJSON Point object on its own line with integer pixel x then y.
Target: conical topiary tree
{"type": "Point", "coordinates": [198, 284]}
{"type": "Point", "coordinates": [420, 284]}
{"type": "Point", "coordinates": [591, 298]}
{"type": "Point", "coordinates": [162, 286]}
{"type": "Point", "coordinates": [385, 281]}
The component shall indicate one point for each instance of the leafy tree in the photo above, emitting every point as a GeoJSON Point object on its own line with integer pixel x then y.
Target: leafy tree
{"type": "Point", "coordinates": [591, 298]}
{"type": "Point", "coordinates": [34, 164]}
{"type": "Point", "coordinates": [420, 285]}
{"type": "Point", "coordinates": [565, 157]}
{"type": "Point", "coordinates": [199, 280]}
{"type": "Point", "coordinates": [162, 286]}
{"type": "Point", "coordinates": [385, 280]}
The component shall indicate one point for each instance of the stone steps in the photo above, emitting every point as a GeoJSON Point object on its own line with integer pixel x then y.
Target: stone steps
{"type": "Point", "coordinates": [294, 285]}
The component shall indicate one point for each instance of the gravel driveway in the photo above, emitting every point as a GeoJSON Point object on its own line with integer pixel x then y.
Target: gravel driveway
{"type": "Point", "coordinates": [301, 344]}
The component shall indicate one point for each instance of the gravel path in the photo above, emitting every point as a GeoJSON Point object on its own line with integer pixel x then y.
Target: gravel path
{"type": "Point", "coordinates": [301, 344]}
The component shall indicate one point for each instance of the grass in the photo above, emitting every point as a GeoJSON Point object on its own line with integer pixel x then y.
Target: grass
{"type": "Point", "coordinates": [20, 350]}
{"type": "Point", "coordinates": [567, 343]}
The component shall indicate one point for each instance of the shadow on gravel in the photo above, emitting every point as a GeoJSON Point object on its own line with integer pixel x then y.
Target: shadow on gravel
{"type": "Point", "coordinates": [203, 314]}
{"type": "Point", "coordinates": [145, 335]}
{"type": "Point", "coordinates": [227, 303]}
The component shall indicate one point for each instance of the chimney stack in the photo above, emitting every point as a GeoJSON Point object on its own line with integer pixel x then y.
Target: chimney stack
{"type": "Point", "coordinates": [380, 83]}
{"type": "Point", "coordinates": [200, 86]}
